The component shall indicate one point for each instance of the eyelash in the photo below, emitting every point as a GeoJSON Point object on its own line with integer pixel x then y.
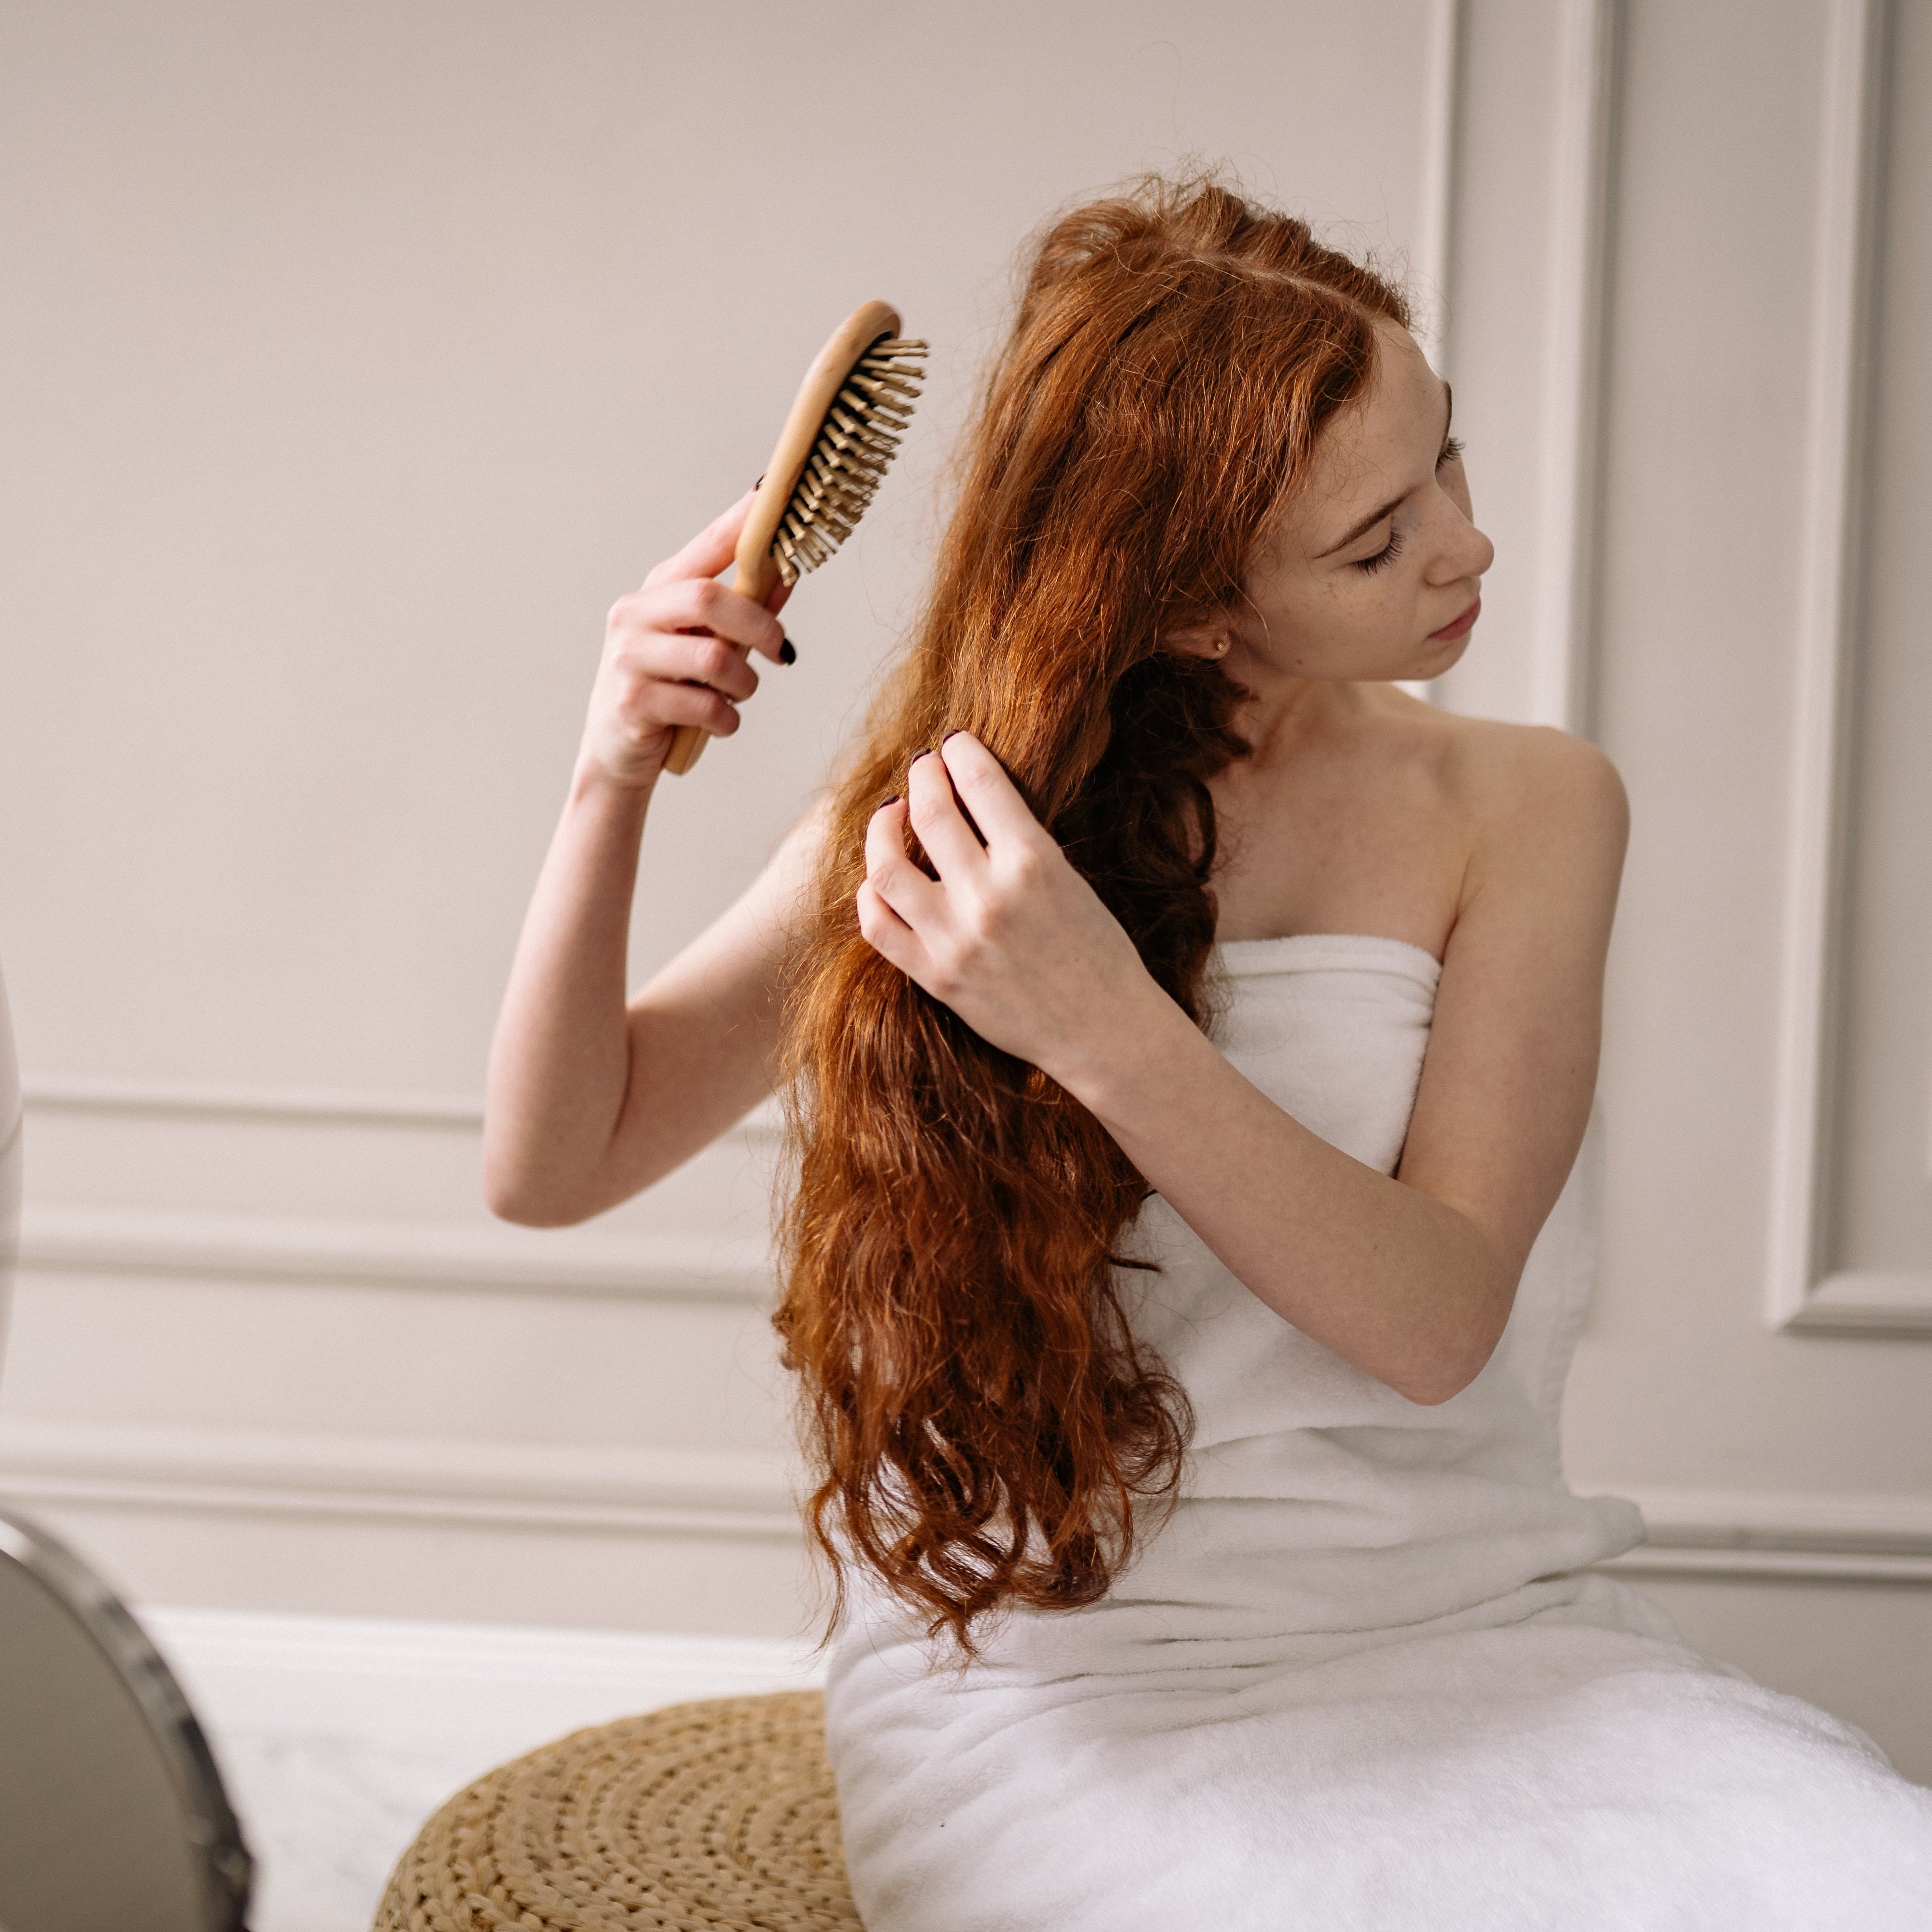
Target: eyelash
{"type": "Point", "coordinates": [1391, 551]}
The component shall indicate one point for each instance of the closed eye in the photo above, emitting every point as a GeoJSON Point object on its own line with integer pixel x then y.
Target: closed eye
{"type": "Point", "coordinates": [1452, 451]}
{"type": "Point", "coordinates": [1386, 555]}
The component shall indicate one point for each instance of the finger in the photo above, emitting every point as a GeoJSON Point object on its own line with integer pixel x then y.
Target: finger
{"type": "Point", "coordinates": [693, 704]}
{"type": "Point", "coordinates": [1001, 814]}
{"type": "Point", "coordinates": [917, 899]}
{"type": "Point", "coordinates": [703, 604]}
{"type": "Point", "coordinates": [695, 658]}
{"type": "Point", "coordinates": [711, 550]}
{"type": "Point", "coordinates": [886, 932]}
{"type": "Point", "coordinates": [950, 843]}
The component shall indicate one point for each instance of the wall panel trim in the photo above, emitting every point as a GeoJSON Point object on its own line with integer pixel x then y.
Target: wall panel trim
{"type": "Point", "coordinates": [277, 1106]}
{"type": "Point", "coordinates": [1871, 1539]}
{"type": "Point", "coordinates": [1800, 1298]}
{"type": "Point", "coordinates": [1575, 309]}
{"type": "Point", "coordinates": [166, 1243]}
{"type": "Point", "coordinates": [749, 1495]}
{"type": "Point", "coordinates": [1441, 143]}
{"type": "Point", "coordinates": [487, 1483]}
{"type": "Point", "coordinates": [217, 1100]}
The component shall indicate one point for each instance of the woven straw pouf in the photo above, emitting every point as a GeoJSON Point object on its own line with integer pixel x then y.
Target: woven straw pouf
{"type": "Point", "coordinates": [712, 1817]}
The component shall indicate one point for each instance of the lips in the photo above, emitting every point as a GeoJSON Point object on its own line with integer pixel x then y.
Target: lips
{"type": "Point", "coordinates": [1450, 631]}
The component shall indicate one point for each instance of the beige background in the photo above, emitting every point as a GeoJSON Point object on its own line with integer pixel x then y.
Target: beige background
{"type": "Point", "coordinates": [353, 359]}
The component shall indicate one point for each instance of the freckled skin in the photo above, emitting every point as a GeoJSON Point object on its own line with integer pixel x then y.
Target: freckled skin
{"type": "Point", "coordinates": [1311, 610]}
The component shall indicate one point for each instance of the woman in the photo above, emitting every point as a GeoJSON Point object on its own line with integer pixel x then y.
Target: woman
{"type": "Point", "coordinates": [1189, 1037]}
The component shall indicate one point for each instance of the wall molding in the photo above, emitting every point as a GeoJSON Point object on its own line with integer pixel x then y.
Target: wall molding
{"type": "Point", "coordinates": [498, 1690]}
{"type": "Point", "coordinates": [749, 1495]}
{"type": "Point", "coordinates": [1441, 144]}
{"type": "Point", "coordinates": [100, 1238]}
{"type": "Point", "coordinates": [743, 1495]}
{"type": "Point", "coordinates": [1802, 1297]}
{"type": "Point", "coordinates": [218, 1100]}
{"type": "Point", "coordinates": [1576, 306]}
{"type": "Point", "coordinates": [1432, 289]}
{"type": "Point", "coordinates": [1884, 1307]}
{"type": "Point", "coordinates": [1869, 1539]}
{"type": "Point", "coordinates": [172, 1243]}
{"type": "Point", "coordinates": [271, 1105]}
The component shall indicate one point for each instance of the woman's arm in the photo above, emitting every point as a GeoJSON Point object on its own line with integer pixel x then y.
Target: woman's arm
{"type": "Point", "coordinates": [1411, 1279]}
{"type": "Point", "coordinates": [590, 1099]}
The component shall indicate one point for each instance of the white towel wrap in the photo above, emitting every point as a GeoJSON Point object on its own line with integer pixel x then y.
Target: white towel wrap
{"type": "Point", "coordinates": [1358, 1682]}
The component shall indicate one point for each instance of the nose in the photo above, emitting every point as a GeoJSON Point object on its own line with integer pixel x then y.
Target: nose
{"type": "Point", "coordinates": [1463, 550]}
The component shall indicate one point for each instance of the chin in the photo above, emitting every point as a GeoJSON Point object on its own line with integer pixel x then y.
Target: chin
{"type": "Point", "coordinates": [1437, 659]}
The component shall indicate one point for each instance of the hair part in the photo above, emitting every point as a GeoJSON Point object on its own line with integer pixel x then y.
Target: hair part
{"type": "Point", "coordinates": [983, 1426]}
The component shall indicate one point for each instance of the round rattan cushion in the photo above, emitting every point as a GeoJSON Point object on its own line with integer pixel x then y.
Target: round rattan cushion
{"type": "Point", "coordinates": [718, 1815]}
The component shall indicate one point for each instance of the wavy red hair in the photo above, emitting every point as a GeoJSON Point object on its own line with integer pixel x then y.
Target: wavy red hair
{"type": "Point", "coordinates": [983, 1424]}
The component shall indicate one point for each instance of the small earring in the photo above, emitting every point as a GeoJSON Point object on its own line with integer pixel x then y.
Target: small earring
{"type": "Point", "coordinates": [1221, 646]}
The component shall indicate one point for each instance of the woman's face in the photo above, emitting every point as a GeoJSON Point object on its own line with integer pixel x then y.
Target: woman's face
{"type": "Point", "coordinates": [1373, 572]}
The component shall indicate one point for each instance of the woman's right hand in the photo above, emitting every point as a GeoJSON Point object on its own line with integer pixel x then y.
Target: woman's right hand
{"type": "Point", "coordinates": [672, 657]}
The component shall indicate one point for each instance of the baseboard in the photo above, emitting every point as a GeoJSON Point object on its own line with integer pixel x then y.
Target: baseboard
{"type": "Point", "coordinates": [407, 1686]}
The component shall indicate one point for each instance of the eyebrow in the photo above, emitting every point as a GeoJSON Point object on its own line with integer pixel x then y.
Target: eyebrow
{"type": "Point", "coordinates": [1394, 503]}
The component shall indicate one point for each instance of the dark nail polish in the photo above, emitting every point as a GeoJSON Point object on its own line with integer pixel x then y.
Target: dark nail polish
{"type": "Point", "coordinates": [893, 800]}
{"type": "Point", "coordinates": [924, 752]}
{"type": "Point", "coordinates": [786, 654]}
{"type": "Point", "coordinates": [954, 732]}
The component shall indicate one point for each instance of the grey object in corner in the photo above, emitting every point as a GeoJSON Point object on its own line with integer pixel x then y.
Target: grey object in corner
{"type": "Point", "coordinates": [112, 1814]}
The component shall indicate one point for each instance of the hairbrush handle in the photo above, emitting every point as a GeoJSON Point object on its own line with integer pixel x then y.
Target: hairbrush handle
{"type": "Point", "coordinates": [756, 575]}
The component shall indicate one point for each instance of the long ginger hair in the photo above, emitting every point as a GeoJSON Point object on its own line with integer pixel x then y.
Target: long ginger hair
{"type": "Point", "coordinates": [982, 1422]}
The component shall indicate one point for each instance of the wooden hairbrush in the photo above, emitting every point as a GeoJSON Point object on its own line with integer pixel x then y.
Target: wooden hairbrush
{"type": "Point", "coordinates": [843, 429]}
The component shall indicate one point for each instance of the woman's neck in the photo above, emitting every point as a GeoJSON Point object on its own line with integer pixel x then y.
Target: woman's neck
{"type": "Point", "coordinates": [1285, 710]}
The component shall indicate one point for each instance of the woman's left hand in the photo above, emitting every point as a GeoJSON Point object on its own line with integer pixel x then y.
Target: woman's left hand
{"type": "Point", "coordinates": [1009, 935]}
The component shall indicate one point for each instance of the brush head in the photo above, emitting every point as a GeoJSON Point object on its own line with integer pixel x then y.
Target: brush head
{"type": "Point", "coordinates": [859, 436]}
{"type": "Point", "coordinates": [843, 430]}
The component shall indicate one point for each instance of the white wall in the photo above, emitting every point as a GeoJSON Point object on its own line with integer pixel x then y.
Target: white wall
{"type": "Point", "coordinates": [356, 358]}
{"type": "Point", "coordinates": [1747, 1373]}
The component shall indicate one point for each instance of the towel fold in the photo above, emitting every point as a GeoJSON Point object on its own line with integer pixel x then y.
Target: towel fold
{"type": "Point", "coordinates": [1360, 1679]}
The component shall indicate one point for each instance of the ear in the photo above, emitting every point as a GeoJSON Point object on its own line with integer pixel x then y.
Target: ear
{"type": "Point", "coordinates": [1208, 638]}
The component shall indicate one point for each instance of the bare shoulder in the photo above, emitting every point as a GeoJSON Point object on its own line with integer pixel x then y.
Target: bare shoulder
{"type": "Point", "coordinates": [1526, 790]}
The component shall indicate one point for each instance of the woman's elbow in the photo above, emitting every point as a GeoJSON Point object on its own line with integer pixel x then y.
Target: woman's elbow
{"type": "Point", "coordinates": [513, 1193]}
{"type": "Point", "coordinates": [1433, 1391]}
{"type": "Point", "coordinates": [1447, 1376]}
{"type": "Point", "coordinates": [1460, 1356]}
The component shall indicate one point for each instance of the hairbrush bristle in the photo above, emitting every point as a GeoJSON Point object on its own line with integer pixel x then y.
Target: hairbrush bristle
{"type": "Point", "coordinates": [858, 437]}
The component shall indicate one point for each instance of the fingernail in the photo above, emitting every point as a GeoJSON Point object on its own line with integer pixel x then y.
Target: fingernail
{"type": "Point", "coordinates": [786, 654]}
{"type": "Point", "coordinates": [893, 800]}
{"type": "Point", "coordinates": [924, 752]}
{"type": "Point", "coordinates": [953, 734]}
